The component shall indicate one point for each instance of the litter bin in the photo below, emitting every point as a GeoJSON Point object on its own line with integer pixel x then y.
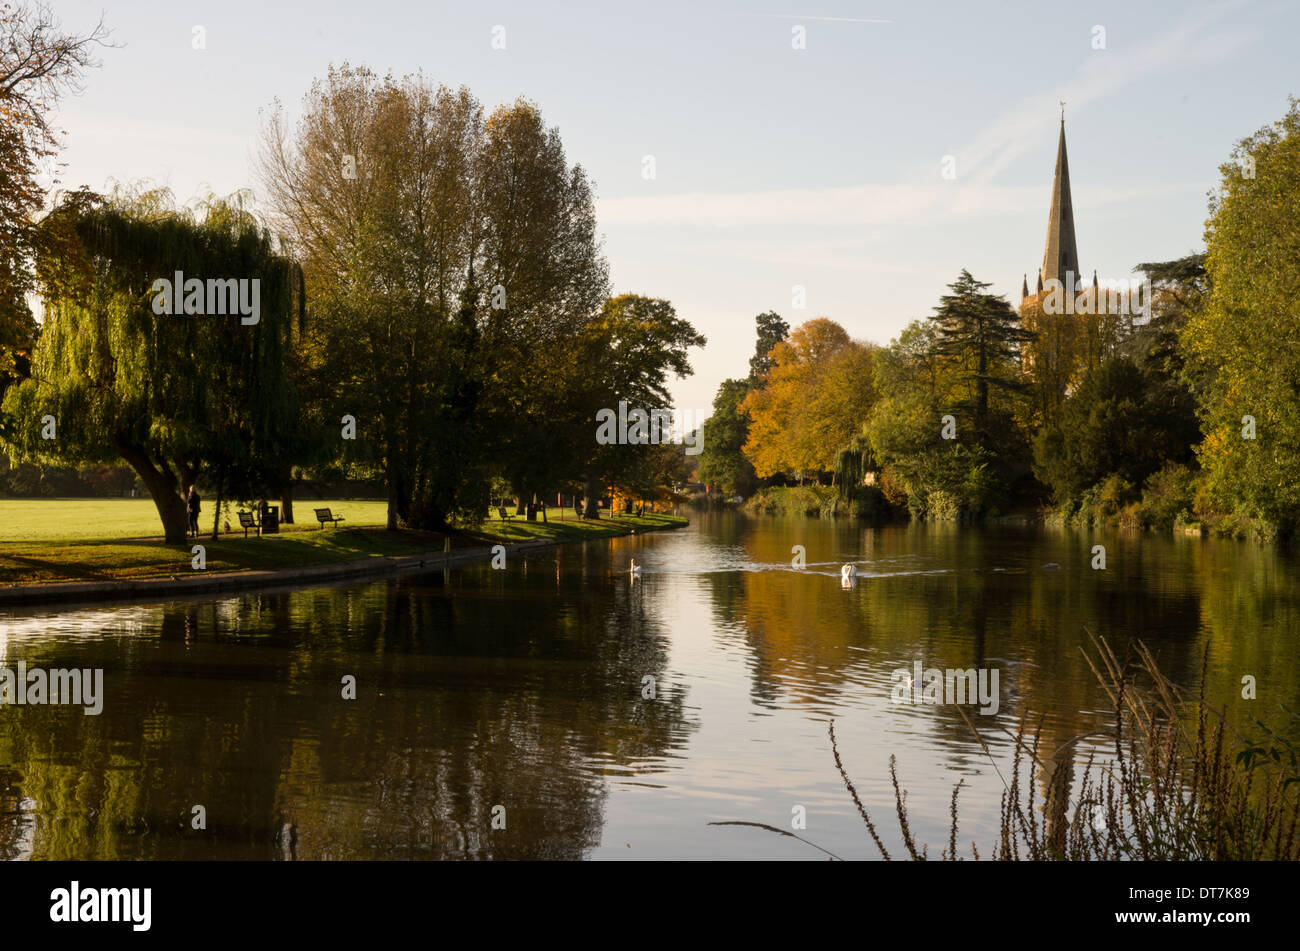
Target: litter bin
{"type": "Point", "coordinates": [271, 520]}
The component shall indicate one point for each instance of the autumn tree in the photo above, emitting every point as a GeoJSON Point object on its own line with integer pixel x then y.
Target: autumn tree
{"type": "Point", "coordinates": [451, 260]}
{"type": "Point", "coordinates": [39, 64]}
{"type": "Point", "coordinates": [812, 402]}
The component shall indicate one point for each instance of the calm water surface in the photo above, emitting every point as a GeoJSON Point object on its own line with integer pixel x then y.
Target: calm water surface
{"type": "Point", "coordinates": [524, 688]}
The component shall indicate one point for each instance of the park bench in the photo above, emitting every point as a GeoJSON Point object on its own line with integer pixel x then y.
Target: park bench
{"type": "Point", "coordinates": [324, 515]}
{"type": "Point", "coordinates": [501, 510]}
{"type": "Point", "coordinates": [246, 521]}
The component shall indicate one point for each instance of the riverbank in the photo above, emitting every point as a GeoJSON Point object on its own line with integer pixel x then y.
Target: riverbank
{"type": "Point", "coordinates": [820, 501]}
{"type": "Point", "coordinates": [44, 571]}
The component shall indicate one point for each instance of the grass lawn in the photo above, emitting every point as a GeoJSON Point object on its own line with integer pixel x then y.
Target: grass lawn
{"type": "Point", "coordinates": [49, 540]}
{"type": "Point", "coordinates": [102, 519]}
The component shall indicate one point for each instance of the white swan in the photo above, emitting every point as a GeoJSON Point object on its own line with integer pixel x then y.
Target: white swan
{"type": "Point", "coordinates": [848, 575]}
{"type": "Point", "coordinates": [635, 569]}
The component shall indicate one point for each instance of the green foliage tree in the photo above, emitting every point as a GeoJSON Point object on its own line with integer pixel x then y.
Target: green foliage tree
{"type": "Point", "coordinates": [722, 458]}
{"type": "Point", "coordinates": [1179, 288]}
{"type": "Point", "coordinates": [1243, 346]}
{"type": "Point", "coordinates": [636, 342]}
{"type": "Point", "coordinates": [1121, 421]}
{"type": "Point", "coordinates": [981, 334]}
{"type": "Point", "coordinates": [171, 394]}
{"type": "Point", "coordinates": [771, 329]}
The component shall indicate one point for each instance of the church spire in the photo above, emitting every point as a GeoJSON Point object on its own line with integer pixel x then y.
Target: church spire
{"type": "Point", "coordinates": [1061, 254]}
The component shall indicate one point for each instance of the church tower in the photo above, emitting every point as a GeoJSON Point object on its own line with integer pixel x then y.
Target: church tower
{"type": "Point", "coordinates": [1061, 254]}
{"type": "Point", "coordinates": [1060, 251]}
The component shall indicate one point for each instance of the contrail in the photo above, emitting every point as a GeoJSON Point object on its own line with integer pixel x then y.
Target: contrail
{"type": "Point", "coordinates": [788, 16]}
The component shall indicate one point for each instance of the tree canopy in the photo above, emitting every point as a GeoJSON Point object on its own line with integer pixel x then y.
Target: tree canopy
{"type": "Point", "coordinates": [172, 394]}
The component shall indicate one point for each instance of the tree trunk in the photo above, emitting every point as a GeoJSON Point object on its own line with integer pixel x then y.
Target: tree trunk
{"type": "Point", "coordinates": [216, 518]}
{"type": "Point", "coordinates": [589, 508]}
{"type": "Point", "coordinates": [393, 498]}
{"type": "Point", "coordinates": [161, 483]}
{"type": "Point", "coordinates": [286, 498]}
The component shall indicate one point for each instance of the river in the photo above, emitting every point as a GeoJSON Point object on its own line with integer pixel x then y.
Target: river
{"type": "Point", "coordinates": [564, 708]}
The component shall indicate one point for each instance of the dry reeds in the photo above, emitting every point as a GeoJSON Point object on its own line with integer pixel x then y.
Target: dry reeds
{"type": "Point", "coordinates": [1164, 793]}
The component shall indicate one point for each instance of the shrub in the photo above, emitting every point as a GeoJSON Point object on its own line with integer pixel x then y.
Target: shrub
{"type": "Point", "coordinates": [943, 506]}
{"type": "Point", "coordinates": [1169, 496]}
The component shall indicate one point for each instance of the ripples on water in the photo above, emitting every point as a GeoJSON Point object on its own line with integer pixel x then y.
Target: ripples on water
{"type": "Point", "coordinates": [523, 688]}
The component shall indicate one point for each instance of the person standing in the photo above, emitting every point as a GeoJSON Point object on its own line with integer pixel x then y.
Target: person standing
{"type": "Point", "coordinates": [192, 505]}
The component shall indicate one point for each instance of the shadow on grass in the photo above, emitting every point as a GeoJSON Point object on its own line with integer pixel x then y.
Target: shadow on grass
{"type": "Point", "coordinates": [139, 559]}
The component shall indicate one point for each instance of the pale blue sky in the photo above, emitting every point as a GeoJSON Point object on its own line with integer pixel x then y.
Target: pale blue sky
{"type": "Point", "coordinates": [774, 166]}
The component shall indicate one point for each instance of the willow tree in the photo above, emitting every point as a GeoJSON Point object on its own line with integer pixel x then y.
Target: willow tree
{"type": "Point", "coordinates": [121, 372]}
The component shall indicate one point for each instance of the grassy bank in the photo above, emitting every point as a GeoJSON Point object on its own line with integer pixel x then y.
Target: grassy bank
{"type": "Point", "coordinates": [47, 541]}
{"type": "Point", "coordinates": [817, 501]}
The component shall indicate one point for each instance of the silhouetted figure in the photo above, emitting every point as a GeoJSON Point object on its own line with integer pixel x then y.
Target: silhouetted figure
{"type": "Point", "coordinates": [193, 505]}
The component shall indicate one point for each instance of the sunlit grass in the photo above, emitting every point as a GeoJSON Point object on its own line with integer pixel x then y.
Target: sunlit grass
{"type": "Point", "coordinates": [101, 519]}
{"type": "Point", "coordinates": [52, 540]}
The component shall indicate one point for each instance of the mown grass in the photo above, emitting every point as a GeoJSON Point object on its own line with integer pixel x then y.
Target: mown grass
{"type": "Point", "coordinates": [50, 549]}
{"type": "Point", "coordinates": [105, 519]}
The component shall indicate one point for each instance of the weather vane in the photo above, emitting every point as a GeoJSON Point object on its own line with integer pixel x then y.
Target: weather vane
{"type": "Point", "coordinates": [1062, 102]}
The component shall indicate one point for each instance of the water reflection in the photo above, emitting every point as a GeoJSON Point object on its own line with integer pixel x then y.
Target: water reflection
{"type": "Point", "coordinates": [527, 688]}
{"type": "Point", "coordinates": [474, 690]}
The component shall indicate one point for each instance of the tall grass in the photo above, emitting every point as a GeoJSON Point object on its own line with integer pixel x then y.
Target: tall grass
{"type": "Point", "coordinates": [1177, 786]}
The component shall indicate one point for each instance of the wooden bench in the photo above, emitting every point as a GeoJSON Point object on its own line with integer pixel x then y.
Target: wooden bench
{"type": "Point", "coordinates": [324, 515]}
{"type": "Point", "coordinates": [246, 521]}
{"type": "Point", "coordinates": [501, 510]}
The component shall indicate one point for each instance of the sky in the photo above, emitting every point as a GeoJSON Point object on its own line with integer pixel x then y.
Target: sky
{"type": "Point", "coordinates": [775, 167]}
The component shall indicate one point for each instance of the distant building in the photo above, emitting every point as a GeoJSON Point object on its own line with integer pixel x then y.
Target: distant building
{"type": "Point", "coordinates": [1061, 259]}
{"type": "Point", "coordinates": [1061, 250]}
{"type": "Point", "coordinates": [1075, 322]}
